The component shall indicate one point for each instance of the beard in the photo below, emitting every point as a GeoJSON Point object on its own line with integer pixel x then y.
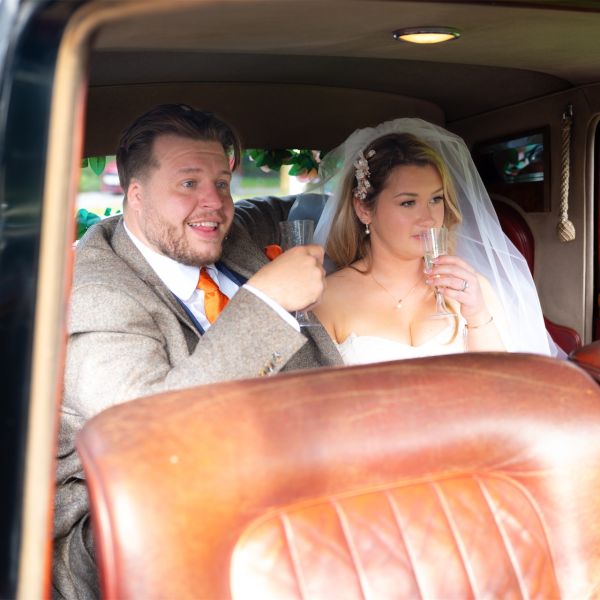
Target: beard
{"type": "Point", "coordinates": [171, 242]}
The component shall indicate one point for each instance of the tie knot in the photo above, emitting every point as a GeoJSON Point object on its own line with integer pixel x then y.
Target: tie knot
{"type": "Point", "coordinates": [206, 282]}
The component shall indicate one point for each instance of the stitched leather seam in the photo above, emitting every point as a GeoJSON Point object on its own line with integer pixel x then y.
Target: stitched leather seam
{"type": "Point", "coordinates": [409, 553]}
{"type": "Point", "coordinates": [503, 535]}
{"type": "Point", "coordinates": [513, 481]}
{"type": "Point", "coordinates": [358, 568]}
{"type": "Point", "coordinates": [465, 560]}
{"type": "Point", "coordinates": [292, 547]}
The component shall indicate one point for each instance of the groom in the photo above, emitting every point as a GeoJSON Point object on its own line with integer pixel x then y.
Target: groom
{"type": "Point", "coordinates": [178, 292]}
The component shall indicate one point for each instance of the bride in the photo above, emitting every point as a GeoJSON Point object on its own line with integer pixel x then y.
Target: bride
{"type": "Point", "coordinates": [393, 182]}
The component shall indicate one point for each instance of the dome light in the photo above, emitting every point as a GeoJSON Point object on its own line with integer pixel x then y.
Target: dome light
{"type": "Point", "coordinates": [426, 35]}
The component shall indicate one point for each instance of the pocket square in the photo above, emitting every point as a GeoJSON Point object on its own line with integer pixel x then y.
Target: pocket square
{"type": "Point", "coordinates": [273, 251]}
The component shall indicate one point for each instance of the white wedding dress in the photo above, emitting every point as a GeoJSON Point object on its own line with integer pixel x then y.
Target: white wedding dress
{"type": "Point", "coordinates": [363, 349]}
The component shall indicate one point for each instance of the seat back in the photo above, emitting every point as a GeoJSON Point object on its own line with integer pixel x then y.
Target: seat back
{"type": "Point", "coordinates": [445, 477]}
{"type": "Point", "coordinates": [588, 358]}
{"type": "Point", "coordinates": [519, 233]}
{"type": "Point", "coordinates": [307, 206]}
{"type": "Point", "coordinates": [516, 229]}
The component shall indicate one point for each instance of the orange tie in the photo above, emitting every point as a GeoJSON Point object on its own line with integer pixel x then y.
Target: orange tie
{"type": "Point", "coordinates": [214, 299]}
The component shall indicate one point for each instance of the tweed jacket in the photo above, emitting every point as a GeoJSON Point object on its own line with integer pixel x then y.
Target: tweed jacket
{"type": "Point", "coordinates": [129, 337]}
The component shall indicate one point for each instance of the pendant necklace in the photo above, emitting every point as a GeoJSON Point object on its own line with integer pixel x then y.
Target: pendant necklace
{"type": "Point", "coordinates": [398, 301]}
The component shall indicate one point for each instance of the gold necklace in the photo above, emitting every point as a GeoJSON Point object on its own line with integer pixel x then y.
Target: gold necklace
{"type": "Point", "coordinates": [400, 300]}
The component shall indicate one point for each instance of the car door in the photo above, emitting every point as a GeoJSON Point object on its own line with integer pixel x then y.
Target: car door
{"type": "Point", "coordinates": [30, 34]}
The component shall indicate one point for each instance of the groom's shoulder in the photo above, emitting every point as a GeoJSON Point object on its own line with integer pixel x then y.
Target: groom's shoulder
{"type": "Point", "coordinates": [100, 236]}
{"type": "Point", "coordinates": [100, 254]}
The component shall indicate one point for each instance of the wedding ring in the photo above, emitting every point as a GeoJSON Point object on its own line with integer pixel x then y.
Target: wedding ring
{"type": "Point", "coordinates": [465, 285]}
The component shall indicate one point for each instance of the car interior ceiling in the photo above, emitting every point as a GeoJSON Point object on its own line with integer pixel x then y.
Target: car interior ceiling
{"type": "Point", "coordinates": [138, 61]}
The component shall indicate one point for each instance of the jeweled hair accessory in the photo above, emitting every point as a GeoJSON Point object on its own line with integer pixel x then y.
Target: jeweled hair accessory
{"type": "Point", "coordinates": [362, 174]}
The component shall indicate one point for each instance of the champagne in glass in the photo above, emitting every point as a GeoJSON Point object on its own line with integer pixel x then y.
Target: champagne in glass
{"type": "Point", "coordinates": [435, 243]}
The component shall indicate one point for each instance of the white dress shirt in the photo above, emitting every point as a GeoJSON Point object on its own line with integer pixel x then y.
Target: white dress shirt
{"type": "Point", "coordinates": [183, 279]}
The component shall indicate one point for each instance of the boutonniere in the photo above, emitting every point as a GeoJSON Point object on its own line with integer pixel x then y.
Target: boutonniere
{"type": "Point", "coordinates": [273, 251]}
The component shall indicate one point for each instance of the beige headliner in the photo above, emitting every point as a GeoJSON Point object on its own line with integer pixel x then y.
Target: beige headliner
{"type": "Point", "coordinates": [519, 38]}
{"type": "Point", "coordinates": [241, 58]}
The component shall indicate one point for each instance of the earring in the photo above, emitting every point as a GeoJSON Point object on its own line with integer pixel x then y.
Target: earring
{"type": "Point", "coordinates": [367, 229]}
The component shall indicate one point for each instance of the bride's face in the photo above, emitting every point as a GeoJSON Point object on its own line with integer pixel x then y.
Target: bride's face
{"type": "Point", "coordinates": [411, 201]}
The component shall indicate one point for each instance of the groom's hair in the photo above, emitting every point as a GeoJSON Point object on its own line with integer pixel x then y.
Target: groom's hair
{"type": "Point", "coordinates": [135, 156]}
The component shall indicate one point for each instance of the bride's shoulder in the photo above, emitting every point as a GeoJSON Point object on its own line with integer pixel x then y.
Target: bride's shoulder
{"type": "Point", "coordinates": [337, 284]}
{"type": "Point", "coordinates": [343, 275]}
{"type": "Point", "coordinates": [347, 276]}
{"type": "Point", "coordinates": [338, 297]}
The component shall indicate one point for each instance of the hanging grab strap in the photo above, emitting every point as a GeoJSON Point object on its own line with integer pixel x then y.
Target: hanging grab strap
{"type": "Point", "coordinates": [565, 229]}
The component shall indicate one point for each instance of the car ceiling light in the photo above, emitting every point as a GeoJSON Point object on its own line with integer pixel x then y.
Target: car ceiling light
{"type": "Point", "coordinates": [426, 35]}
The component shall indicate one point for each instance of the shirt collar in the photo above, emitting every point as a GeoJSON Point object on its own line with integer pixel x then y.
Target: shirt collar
{"type": "Point", "coordinates": [180, 279]}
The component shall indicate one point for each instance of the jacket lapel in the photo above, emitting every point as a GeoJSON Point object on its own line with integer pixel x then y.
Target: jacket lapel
{"type": "Point", "coordinates": [125, 248]}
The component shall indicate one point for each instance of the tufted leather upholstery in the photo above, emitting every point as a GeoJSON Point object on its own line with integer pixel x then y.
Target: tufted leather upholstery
{"type": "Point", "coordinates": [519, 233]}
{"type": "Point", "coordinates": [460, 476]}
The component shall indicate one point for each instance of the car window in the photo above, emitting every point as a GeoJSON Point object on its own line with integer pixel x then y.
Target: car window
{"type": "Point", "coordinates": [262, 172]}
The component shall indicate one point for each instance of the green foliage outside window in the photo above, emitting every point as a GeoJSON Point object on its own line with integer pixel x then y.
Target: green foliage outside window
{"type": "Point", "coordinates": [302, 164]}
{"type": "Point", "coordinates": [96, 163]}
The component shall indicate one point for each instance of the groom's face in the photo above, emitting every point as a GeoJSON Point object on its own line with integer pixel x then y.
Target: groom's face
{"type": "Point", "coordinates": [183, 207]}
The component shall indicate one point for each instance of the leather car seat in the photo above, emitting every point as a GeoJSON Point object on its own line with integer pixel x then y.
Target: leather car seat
{"type": "Point", "coordinates": [519, 233]}
{"type": "Point", "coordinates": [459, 476]}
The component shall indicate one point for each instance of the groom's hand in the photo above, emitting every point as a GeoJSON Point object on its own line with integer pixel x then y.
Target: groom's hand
{"type": "Point", "coordinates": [295, 280]}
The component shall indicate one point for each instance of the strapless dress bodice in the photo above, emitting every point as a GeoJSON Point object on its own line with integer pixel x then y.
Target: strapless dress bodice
{"type": "Point", "coordinates": [363, 349]}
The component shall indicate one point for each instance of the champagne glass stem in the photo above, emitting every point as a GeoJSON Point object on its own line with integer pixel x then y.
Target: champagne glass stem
{"type": "Point", "coordinates": [439, 300]}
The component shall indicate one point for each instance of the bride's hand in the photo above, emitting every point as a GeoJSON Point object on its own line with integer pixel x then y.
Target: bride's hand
{"type": "Point", "coordinates": [458, 281]}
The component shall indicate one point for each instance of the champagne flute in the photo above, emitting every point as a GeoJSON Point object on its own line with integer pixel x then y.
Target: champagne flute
{"type": "Point", "coordinates": [435, 243]}
{"type": "Point", "coordinates": [298, 233]}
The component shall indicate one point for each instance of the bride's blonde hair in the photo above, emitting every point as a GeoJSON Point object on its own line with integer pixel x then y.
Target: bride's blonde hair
{"type": "Point", "coordinates": [347, 240]}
